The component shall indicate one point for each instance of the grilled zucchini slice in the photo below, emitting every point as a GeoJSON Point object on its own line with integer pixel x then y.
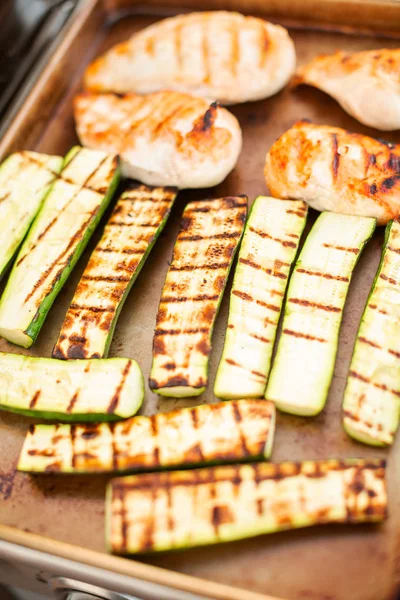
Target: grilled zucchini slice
{"type": "Point", "coordinates": [55, 241]}
{"type": "Point", "coordinates": [371, 405]}
{"type": "Point", "coordinates": [84, 390]}
{"type": "Point", "coordinates": [195, 283]}
{"type": "Point", "coordinates": [138, 218]}
{"type": "Point", "coordinates": [302, 372]}
{"type": "Point", "coordinates": [269, 247]}
{"type": "Point", "coordinates": [211, 433]}
{"type": "Point", "coordinates": [25, 180]}
{"type": "Point", "coordinates": [181, 509]}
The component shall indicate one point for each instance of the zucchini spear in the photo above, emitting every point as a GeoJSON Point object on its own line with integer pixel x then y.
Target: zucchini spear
{"type": "Point", "coordinates": [269, 246]}
{"type": "Point", "coordinates": [55, 241]}
{"type": "Point", "coordinates": [138, 218]}
{"type": "Point", "coordinates": [371, 405]}
{"type": "Point", "coordinates": [194, 286]}
{"type": "Point", "coordinates": [25, 180]}
{"type": "Point", "coordinates": [181, 509]}
{"type": "Point", "coordinates": [211, 433]}
{"type": "Point", "coordinates": [80, 390]}
{"type": "Point", "coordinates": [302, 372]}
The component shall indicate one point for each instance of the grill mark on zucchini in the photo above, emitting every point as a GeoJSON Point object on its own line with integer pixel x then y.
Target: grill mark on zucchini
{"type": "Point", "coordinates": [380, 386]}
{"type": "Point", "coordinates": [78, 339]}
{"type": "Point", "coordinates": [264, 234]}
{"type": "Point", "coordinates": [74, 454]}
{"type": "Point", "coordinates": [114, 448]}
{"type": "Point", "coordinates": [124, 520]}
{"type": "Point", "coordinates": [233, 363]}
{"type": "Point", "coordinates": [269, 306]}
{"type": "Point", "coordinates": [194, 330]}
{"type": "Point", "coordinates": [217, 236]}
{"type": "Point", "coordinates": [114, 402]}
{"type": "Point", "coordinates": [214, 206]}
{"type": "Point", "coordinates": [389, 279]}
{"type": "Point", "coordinates": [154, 431]}
{"type": "Point", "coordinates": [124, 224]}
{"type": "Point", "coordinates": [260, 338]}
{"type": "Point", "coordinates": [305, 336]}
{"type": "Point", "coordinates": [5, 196]}
{"type": "Point", "coordinates": [198, 298]}
{"type": "Point", "coordinates": [397, 250]}
{"type": "Point", "coordinates": [100, 190]}
{"type": "Point", "coordinates": [324, 275]}
{"type": "Point", "coordinates": [298, 213]}
{"type": "Point", "coordinates": [382, 311]}
{"type": "Point", "coordinates": [353, 417]}
{"type": "Point", "coordinates": [71, 405]}
{"type": "Point", "coordinates": [211, 266]}
{"type": "Point", "coordinates": [138, 251]}
{"type": "Point", "coordinates": [196, 451]}
{"type": "Point", "coordinates": [93, 309]}
{"type": "Point", "coordinates": [343, 248]}
{"type": "Point", "coordinates": [251, 263]}
{"type": "Point", "coordinates": [249, 298]}
{"type": "Point", "coordinates": [34, 399]}
{"type": "Point", "coordinates": [106, 278]}
{"type": "Point", "coordinates": [308, 303]}
{"type": "Point", "coordinates": [370, 343]}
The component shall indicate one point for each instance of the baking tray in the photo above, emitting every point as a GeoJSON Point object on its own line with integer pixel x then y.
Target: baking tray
{"type": "Point", "coordinates": [324, 563]}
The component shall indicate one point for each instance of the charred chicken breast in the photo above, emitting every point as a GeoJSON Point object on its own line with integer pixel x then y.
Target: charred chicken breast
{"type": "Point", "coordinates": [220, 55]}
{"type": "Point", "coordinates": [164, 139]}
{"type": "Point", "coordinates": [366, 84]}
{"type": "Point", "coordinates": [335, 170]}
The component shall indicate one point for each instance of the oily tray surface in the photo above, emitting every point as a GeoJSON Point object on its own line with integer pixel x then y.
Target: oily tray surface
{"type": "Point", "coordinates": [335, 563]}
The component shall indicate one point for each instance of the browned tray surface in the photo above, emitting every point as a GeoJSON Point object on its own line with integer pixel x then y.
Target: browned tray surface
{"type": "Point", "coordinates": [329, 563]}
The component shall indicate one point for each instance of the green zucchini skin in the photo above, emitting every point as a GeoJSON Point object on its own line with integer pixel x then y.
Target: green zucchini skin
{"type": "Point", "coordinates": [269, 247]}
{"type": "Point", "coordinates": [207, 434]}
{"type": "Point", "coordinates": [85, 187]}
{"type": "Point", "coordinates": [203, 255]}
{"type": "Point", "coordinates": [25, 180]}
{"type": "Point", "coordinates": [302, 372]}
{"type": "Point", "coordinates": [182, 509]}
{"type": "Point", "coordinates": [137, 220]}
{"type": "Point", "coordinates": [90, 390]}
{"type": "Point", "coordinates": [371, 403]}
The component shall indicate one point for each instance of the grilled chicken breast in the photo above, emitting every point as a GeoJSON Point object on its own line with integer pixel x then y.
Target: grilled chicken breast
{"type": "Point", "coordinates": [220, 55]}
{"type": "Point", "coordinates": [164, 139]}
{"type": "Point", "coordinates": [366, 84]}
{"type": "Point", "coordinates": [333, 169]}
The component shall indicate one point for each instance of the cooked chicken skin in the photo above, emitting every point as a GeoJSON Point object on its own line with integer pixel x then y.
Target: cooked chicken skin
{"type": "Point", "coordinates": [164, 139]}
{"type": "Point", "coordinates": [220, 55]}
{"type": "Point", "coordinates": [333, 169]}
{"type": "Point", "coordinates": [366, 84]}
